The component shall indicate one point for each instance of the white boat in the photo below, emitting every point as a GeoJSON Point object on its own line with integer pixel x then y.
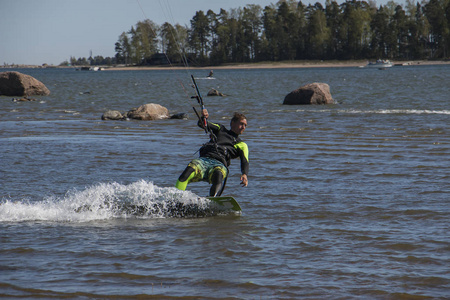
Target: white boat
{"type": "Point", "coordinates": [89, 69]}
{"type": "Point", "coordinates": [380, 64]}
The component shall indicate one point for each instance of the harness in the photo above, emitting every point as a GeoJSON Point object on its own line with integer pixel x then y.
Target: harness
{"type": "Point", "coordinates": [221, 152]}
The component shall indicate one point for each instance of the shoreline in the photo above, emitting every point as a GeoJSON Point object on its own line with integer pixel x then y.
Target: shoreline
{"type": "Point", "coordinates": [258, 65]}
{"type": "Point", "coordinates": [279, 65]}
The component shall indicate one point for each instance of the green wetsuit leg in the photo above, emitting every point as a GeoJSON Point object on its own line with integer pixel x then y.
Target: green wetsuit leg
{"type": "Point", "coordinates": [185, 178]}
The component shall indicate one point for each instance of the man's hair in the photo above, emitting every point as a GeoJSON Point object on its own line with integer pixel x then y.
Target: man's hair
{"type": "Point", "coordinates": [237, 117]}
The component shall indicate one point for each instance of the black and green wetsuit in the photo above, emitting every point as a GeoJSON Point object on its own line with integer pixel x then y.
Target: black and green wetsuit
{"type": "Point", "coordinates": [227, 146]}
{"type": "Point", "coordinates": [215, 157]}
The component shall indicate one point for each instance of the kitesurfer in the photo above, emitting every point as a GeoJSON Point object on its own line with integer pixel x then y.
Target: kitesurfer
{"type": "Point", "coordinates": [210, 73]}
{"type": "Point", "coordinates": [216, 155]}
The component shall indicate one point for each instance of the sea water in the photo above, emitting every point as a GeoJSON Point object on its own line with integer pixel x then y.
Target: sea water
{"type": "Point", "coordinates": [345, 201]}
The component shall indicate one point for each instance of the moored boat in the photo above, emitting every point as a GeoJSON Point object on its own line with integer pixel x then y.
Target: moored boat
{"type": "Point", "coordinates": [89, 69]}
{"type": "Point", "coordinates": [380, 64]}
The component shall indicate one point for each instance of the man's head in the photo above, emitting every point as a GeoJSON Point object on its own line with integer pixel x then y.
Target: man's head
{"type": "Point", "coordinates": [238, 123]}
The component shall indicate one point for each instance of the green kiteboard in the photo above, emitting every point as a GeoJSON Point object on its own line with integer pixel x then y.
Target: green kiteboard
{"type": "Point", "coordinates": [227, 202]}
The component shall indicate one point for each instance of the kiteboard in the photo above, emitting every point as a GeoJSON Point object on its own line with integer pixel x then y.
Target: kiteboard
{"type": "Point", "coordinates": [204, 78]}
{"type": "Point", "coordinates": [227, 202]}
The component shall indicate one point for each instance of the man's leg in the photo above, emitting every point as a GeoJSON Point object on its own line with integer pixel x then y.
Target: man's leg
{"type": "Point", "coordinates": [216, 181]}
{"type": "Point", "coordinates": [185, 178]}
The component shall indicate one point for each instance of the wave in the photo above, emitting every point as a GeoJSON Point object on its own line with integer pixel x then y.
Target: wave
{"type": "Point", "coordinates": [383, 111]}
{"type": "Point", "coordinates": [107, 201]}
{"type": "Point", "coordinates": [400, 111]}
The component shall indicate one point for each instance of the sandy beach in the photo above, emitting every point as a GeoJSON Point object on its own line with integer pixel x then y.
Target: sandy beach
{"type": "Point", "coordinates": [259, 65]}
{"type": "Point", "coordinates": [281, 65]}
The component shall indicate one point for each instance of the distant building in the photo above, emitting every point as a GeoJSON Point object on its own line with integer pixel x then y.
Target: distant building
{"type": "Point", "coordinates": [156, 59]}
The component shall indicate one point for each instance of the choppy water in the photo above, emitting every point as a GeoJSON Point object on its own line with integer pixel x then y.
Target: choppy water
{"type": "Point", "coordinates": [346, 201]}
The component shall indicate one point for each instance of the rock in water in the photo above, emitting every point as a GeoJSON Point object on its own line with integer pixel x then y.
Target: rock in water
{"type": "Point", "coordinates": [180, 116]}
{"type": "Point", "coordinates": [18, 84]}
{"type": "Point", "coordinates": [214, 92]}
{"type": "Point", "coordinates": [112, 115]}
{"type": "Point", "coordinates": [149, 111]}
{"type": "Point", "coordinates": [313, 93]}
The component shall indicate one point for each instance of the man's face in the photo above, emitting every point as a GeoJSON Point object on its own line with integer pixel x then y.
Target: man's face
{"type": "Point", "coordinates": [239, 126]}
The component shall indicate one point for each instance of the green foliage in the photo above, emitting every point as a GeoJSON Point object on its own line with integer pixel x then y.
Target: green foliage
{"type": "Point", "coordinates": [289, 30]}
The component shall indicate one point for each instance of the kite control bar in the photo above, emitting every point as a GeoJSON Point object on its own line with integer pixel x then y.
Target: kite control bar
{"type": "Point", "coordinates": [199, 98]}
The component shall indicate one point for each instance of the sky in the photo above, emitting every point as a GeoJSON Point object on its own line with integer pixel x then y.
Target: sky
{"type": "Point", "coordinates": [36, 32]}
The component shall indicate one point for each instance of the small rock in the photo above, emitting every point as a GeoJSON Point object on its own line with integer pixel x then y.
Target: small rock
{"type": "Point", "coordinates": [183, 116]}
{"type": "Point", "coordinates": [214, 92]}
{"type": "Point", "coordinates": [24, 99]}
{"type": "Point", "coordinates": [112, 115]}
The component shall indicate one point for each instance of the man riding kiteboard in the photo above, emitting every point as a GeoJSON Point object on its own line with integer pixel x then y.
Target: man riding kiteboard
{"type": "Point", "coordinates": [216, 155]}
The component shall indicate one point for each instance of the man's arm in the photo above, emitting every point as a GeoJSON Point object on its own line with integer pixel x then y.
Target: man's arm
{"type": "Point", "coordinates": [243, 154]}
{"type": "Point", "coordinates": [214, 127]}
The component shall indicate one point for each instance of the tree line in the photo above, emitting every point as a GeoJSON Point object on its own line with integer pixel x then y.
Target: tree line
{"type": "Point", "coordinates": [94, 61]}
{"type": "Point", "coordinates": [291, 30]}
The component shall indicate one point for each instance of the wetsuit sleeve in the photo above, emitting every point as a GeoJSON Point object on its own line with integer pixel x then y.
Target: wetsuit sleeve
{"type": "Point", "coordinates": [215, 128]}
{"type": "Point", "coordinates": [200, 124]}
{"type": "Point", "coordinates": [243, 154]}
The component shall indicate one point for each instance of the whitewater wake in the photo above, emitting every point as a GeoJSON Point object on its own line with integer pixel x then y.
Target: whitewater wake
{"type": "Point", "coordinates": [107, 201]}
{"type": "Point", "coordinates": [385, 111]}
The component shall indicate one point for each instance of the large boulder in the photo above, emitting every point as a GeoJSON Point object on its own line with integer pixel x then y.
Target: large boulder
{"type": "Point", "coordinates": [313, 93]}
{"type": "Point", "coordinates": [149, 111]}
{"type": "Point", "coordinates": [18, 84]}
